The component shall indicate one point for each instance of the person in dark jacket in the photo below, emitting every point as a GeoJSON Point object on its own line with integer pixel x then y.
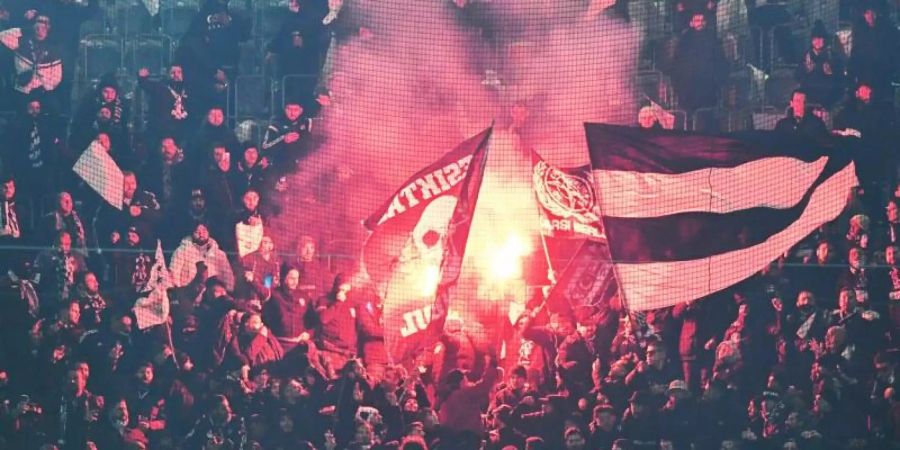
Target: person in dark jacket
{"type": "Point", "coordinates": [212, 133]}
{"type": "Point", "coordinates": [285, 137]}
{"type": "Point", "coordinates": [874, 55]}
{"type": "Point", "coordinates": [460, 411]}
{"type": "Point", "coordinates": [169, 113]}
{"type": "Point", "coordinates": [866, 126]}
{"type": "Point", "coordinates": [288, 313]}
{"type": "Point", "coordinates": [371, 334]}
{"type": "Point", "coordinates": [116, 430]}
{"type": "Point", "coordinates": [166, 174]}
{"type": "Point", "coordinates": [699, 66]}
{"type": "Point", "coordinates": [800, 121]}
{"type": "Point", "coordinates": [254, 343]}
{"type": "Point", "coordinates": [67, 17]}
{"type": "Point", "coordinates": [35, 152]}
{"type": "Point", "coordinates": [103, 109]}
{"type": "Point", "coordinates": [337, 325]}
{"type": "Point", "coordinates": [821, 73]}
{"type": "Point", "coordinates": [693, 338]}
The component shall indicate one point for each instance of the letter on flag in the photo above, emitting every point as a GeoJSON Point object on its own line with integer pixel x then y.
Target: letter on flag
{"type": "Point", "coordinates": [566, 199]}
{"type": "Point", "coordinates": [687, 215]}
{"type": "Point", "coordinates": [404, 253]}
{"type": "Point", "coordinates": [101, 173]}
{"type": "Point", "coordinates": [153, 309]}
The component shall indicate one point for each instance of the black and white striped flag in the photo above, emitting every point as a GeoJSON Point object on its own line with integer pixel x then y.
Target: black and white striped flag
{"type": "Point", "coordinates": [687, 215]}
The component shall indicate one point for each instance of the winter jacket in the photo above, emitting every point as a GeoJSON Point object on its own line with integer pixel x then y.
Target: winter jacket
{"type": "Point", "coordinates": [183, 266]}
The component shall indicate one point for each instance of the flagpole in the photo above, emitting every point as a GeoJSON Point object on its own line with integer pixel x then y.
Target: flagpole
{"type": "Point", "coordinates": [171, 341]}
{"type": "Point", "coordinates": [551, 274]}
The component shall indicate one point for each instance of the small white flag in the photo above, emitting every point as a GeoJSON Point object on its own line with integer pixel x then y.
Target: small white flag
{"type": "Point", "coordinates": [152, 6]}
{"type": "Point", "coordinates": [101, 173]}
{"type": "Point", "coordinates": [154, 308]}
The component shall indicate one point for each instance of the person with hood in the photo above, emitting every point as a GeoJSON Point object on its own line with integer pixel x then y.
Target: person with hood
{"type": "Point", "coordinates": [209, 52]}
{"type": "Point", "coordinates": [252, 173]}
{"type": "Point", "coordinates": [170, 104]}
{"type": "Point", "coordinates": [104, 110]}
{"type": "Point", "coordinates": [303, 17]}
{"type": "Point", "coordinates": [225, 31]}
{"type": "Point", "coordinates": [254, 344]}
{"type": "Point", "coordinates": [821, 73]}
{"type": "Point", "coordinates": [196, 248]}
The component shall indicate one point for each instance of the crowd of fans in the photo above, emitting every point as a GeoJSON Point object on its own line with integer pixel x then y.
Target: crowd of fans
{"type": "Point", "coordinates": [269, 348]}
{"type": "Point", "coordinates": [778, 36]}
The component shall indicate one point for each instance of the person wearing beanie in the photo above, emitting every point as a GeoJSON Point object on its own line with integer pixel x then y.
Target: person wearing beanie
{"type": "Point", "coordinates": [821, 72]}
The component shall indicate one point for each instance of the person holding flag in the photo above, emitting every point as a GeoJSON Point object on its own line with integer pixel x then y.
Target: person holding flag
{"type": "Point", "coordinates": [153, 308]}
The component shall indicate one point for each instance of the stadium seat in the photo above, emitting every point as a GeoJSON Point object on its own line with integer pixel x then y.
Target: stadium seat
{"type": "Point", "coordinates": [251, 98]}
{"type": "Point", "coordinates": [133, 19]}
{"type": "Point", "coordinates": [150, 51]}
{"type": "Point", "coordinates": [100, 54]}
{"type": "Point", "coordinates": [177, 19]}
{"type": "Point", "coordinates": [270, 19]}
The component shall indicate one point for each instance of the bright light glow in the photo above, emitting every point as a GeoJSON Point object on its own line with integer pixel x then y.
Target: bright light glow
{"type": "Point", "coordinates": [431, 275]}
{"type": "Point", "coordinates": [506, 261]}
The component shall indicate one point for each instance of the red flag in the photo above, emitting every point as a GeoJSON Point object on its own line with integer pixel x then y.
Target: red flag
{"type": "Point", "coordinates": [456, 239]}
{"type": "Point", "coordinates": [400, 217]}
{"type": "Point", "coordinates": [407, 245]}
{"type": "Point", "coordinates": [566, 199]}
{"type": "Point", "coordinates": [588, 280]}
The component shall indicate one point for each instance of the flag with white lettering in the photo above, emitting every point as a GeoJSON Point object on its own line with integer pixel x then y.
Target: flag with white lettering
{"type": "Point", "coordinates": [153, 309]}
{"type": "Point", "coordinates": [404, 253]}
{"type": "Point", "coordinates": [687, 215]}
{"type": "Point", "coordinates": [422, 203]}
{"type": "Point", "coordinates": [566, 200]}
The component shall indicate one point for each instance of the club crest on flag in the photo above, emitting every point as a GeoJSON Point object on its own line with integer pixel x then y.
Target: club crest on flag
{"type": "Point", "coordinates": [568, 200]}
{"type": "Point", "coordinates": [563, 194]}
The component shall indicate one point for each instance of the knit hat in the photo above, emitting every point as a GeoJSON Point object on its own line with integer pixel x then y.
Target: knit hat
{"type": "Point", "coordinates": [819, 31]}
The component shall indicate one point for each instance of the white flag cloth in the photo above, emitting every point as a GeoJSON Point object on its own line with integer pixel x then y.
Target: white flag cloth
{"type": "Point", "coordinates": [152, 6]}
{"type": "Point", "coordinates": [248, 237]}
{"type": "Point", "coordinates": [101, 173]}
{"type": "Point", "coordinates": [154, 308]}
